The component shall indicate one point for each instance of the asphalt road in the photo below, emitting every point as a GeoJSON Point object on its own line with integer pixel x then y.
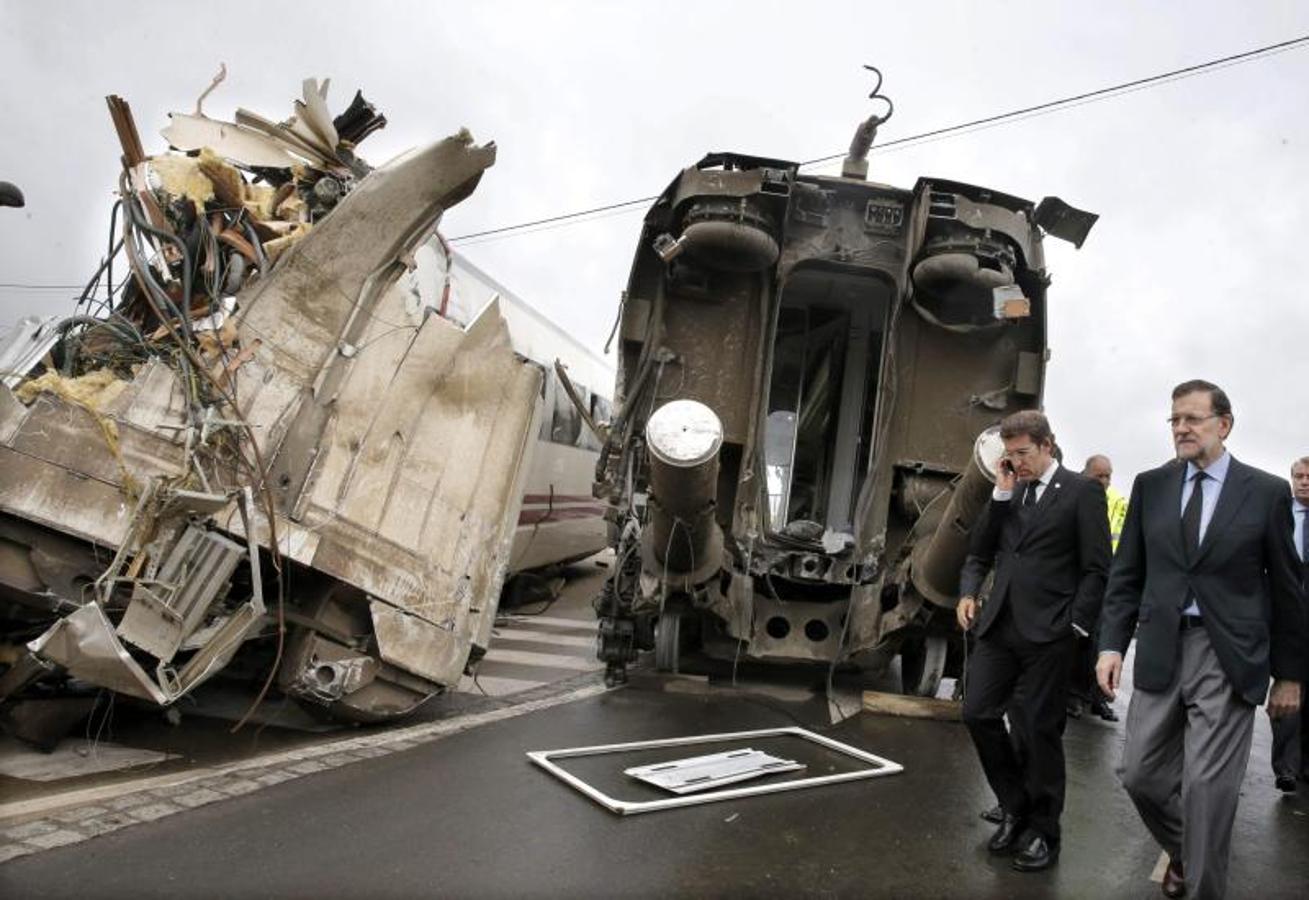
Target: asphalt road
{"type": "Point", "coordinates": [469, 816]}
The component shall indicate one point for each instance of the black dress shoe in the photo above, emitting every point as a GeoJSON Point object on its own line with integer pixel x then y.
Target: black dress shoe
{"type": "Point", "coordinates": [1174, 884]}
{"type": "Point", "coordinates": [1285, 784]}
{"type": "Point", "coordinates": [994, 815]}
{"type": "Point", "coordinates": [1102, 709]}
{"type": "Point", "coordinates": [1036, 854]}
{"type": "Point", "coordinates": [1006, 835]}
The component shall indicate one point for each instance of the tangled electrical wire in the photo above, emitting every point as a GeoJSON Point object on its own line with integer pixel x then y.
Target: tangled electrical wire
{"type": "Point", "coordinates": [185, 264]}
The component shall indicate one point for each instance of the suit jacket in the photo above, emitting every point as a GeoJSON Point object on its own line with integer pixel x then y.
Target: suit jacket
{"type": "Point", "coordinates": [1245, 577]}
{"type": "Point", "coordinates": [1050, 561]}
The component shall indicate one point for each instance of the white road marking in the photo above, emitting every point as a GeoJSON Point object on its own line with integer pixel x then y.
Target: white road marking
{"type": "Point", "coordinates": [544, 660]}
{"type": "Point", "coordinates": [587, 625]}
{"type": "Point", "coordinates": [539, 637]}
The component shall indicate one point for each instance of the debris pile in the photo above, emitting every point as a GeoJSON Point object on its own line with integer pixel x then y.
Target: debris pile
{"type": "Point", "coordinates": [202, 219]}
{"type": "Point", "coordinates": [261, 429]}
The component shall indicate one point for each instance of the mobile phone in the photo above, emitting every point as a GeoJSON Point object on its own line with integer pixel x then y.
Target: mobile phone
{"type": "Point", "coordinates": [1007, 467]}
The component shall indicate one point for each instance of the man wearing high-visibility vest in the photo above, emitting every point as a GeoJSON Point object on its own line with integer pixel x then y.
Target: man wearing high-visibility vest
{"type": "Point", "coordinates": [1081, 683]}
{"type": "Point", "coordinates": [1102, 470]}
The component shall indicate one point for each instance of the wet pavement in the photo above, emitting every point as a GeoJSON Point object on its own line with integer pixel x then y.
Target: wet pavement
{"type": "Point", "coordinates": [468, 816]}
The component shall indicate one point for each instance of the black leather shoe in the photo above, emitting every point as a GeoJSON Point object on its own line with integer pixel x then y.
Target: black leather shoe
{"type": "Point", "coordinates": [994, 815]}
{"type": "Point", "coordinates": [1036, 854]}
{"type": "Point", "coordinates": [1285, 784]}
{"type": "Point", "coordinates": [1174, 885]}
{"type": "Point", "coordinates": [1102, 709]}
{"type": "Point", "coordinates": [1006, 835]}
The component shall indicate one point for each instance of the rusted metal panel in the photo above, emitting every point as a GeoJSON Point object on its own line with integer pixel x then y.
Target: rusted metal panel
{"type": "Point", "coordinates": [853, 338]}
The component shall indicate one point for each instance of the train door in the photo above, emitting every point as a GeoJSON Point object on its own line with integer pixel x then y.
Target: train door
{"type": "Point", "coordinates": [822, 396]}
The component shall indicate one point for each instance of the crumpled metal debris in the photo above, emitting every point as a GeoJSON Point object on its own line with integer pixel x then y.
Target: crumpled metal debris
{"type": "Point", "coordinates": [269, 392]}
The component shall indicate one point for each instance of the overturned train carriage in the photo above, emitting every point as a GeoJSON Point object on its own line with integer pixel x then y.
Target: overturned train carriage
{"type": "Point", "coordinates": [811, 368]}
{"type": "Point", "coordinates": [338, 525]}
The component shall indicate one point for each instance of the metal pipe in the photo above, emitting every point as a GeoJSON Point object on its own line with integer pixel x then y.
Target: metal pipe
{"type": "Point", "coordinates": [683, 437]}
{"type": "Point", "coordinates": [936, 561]}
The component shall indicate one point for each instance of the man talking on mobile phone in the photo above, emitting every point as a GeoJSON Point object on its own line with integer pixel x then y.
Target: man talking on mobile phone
{"type": "Point", "coordinates": [1046, 534]}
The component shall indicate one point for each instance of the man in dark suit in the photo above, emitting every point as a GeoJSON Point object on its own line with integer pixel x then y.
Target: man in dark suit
{"type": "Point", "coordinates": [1046, 534]}
{"type": "Point", "coordinates": [1290, 738]}
{"type": "Point", "coordinates": [1207, 577]}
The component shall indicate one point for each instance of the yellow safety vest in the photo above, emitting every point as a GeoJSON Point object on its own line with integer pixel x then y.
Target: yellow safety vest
{"type": "Point", "coordinates": [1117, 515]}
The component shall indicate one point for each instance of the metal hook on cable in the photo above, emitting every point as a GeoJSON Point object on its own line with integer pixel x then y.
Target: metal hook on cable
{"type": "Point", "coordinates": [856, 161]}
{"type": "Point", "coordinates": [876, 94]}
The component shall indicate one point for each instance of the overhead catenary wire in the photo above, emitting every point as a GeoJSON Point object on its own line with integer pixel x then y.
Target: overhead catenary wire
{"type": "Point", "coordinates": [1049, 106]}
{"type": "Point", "coordinates": [1045, 108]}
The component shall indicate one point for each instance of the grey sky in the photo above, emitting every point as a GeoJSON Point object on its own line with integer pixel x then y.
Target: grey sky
{"type": "Point", "coordinates": [1193, 270]}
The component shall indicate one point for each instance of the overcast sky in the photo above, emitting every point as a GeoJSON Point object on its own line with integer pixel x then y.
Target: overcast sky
{"type": "Point", "coordinates": [1196, 268]}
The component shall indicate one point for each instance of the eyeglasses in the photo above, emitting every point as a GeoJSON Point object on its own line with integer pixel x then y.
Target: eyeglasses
{"type": "Point", "coordinates": [1189, 421]}
{"type": "Point", "coordinates": [1021, 452]}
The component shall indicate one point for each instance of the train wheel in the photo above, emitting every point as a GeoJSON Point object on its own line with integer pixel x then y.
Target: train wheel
{"type": "Point", "coordinates": [922, 663]}
{"type": "Point", "coordinates": [668, 641]}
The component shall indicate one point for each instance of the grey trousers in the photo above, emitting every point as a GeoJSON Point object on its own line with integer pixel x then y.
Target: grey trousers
{"type": "Point", "coordinates": [1183, 761]}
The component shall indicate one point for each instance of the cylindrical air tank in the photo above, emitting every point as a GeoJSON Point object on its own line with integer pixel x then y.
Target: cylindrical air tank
{"type": "Point", "coordinates": [683, 437]}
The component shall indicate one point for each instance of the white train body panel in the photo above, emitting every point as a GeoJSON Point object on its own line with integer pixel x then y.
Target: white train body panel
{"type": "Point", "coordinates": [560, 521]}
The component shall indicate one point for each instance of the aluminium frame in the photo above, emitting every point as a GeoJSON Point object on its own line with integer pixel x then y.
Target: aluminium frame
{"type": "Point", "coordinates": [545, 759]}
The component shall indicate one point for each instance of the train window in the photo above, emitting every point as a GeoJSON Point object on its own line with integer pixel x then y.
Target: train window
{"type": "Point", "coordinates": [601, 410]}
{"type": "Point", "coordinates": [566, 425]}
{"type": "Point", "coordinates": [588, 440]}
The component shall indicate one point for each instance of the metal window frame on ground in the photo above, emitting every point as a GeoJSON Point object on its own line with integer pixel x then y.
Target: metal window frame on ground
{"type": "Point", "coordinates": [545, 759]}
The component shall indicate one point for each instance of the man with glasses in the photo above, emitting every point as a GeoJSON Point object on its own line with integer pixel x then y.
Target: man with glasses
{"type": "Point", "coordinates": [1046, 534]}
{"type": "Point", "coordinates": [1290, 738]}
{"type": "Point", "coordinates": [1208, 579]}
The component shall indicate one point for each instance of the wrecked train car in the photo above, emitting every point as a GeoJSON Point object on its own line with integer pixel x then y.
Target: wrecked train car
{"type": "Point", "coordinates": [560, 521]}
{"type": "Point", "coordinates": [809, 368]}
{"type": "Point", "coordinates": [262, 456]}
